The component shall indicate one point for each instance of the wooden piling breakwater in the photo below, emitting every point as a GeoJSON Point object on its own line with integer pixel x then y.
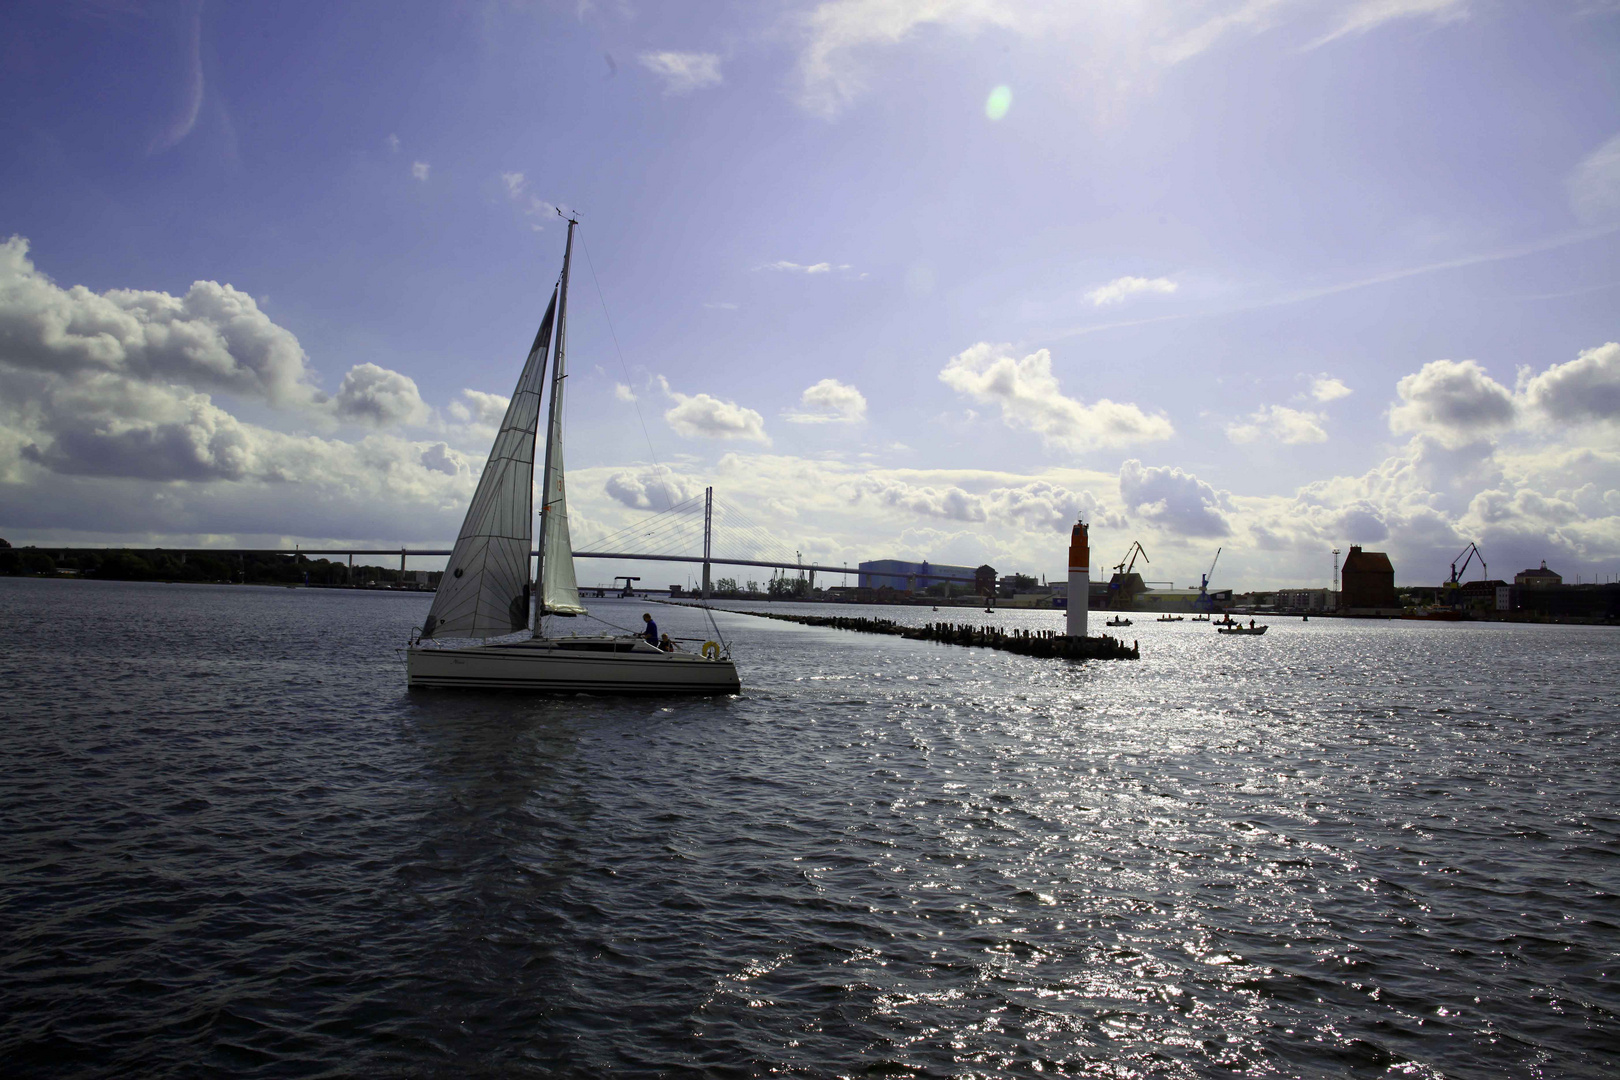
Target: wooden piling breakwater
{"type": "Point", "coordinates": [1047, 644]}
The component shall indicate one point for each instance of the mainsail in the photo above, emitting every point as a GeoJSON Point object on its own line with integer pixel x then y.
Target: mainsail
{"type": "Point", "coordinates": [485, 589]}
{"type": "Point", "coordinates": [559, 589]}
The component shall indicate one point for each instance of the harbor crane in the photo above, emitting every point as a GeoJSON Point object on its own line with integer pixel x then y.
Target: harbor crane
{"type": "Point", "coordinates": [1203, 603]}
{"type": "Point", "coordinates": [1470, 552]}
{"type": "Point", "coordinates": [1126, 564]}
{"type": "Point", "coordinates": [1117, 585]}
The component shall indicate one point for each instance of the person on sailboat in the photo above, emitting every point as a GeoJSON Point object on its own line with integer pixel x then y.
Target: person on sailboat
{"type": "Point", "coordinates": [651, 633]}
{"type": "Point", "coordinates": [666, 643]}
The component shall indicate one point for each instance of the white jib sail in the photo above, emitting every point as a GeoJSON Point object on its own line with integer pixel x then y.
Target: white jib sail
{"type": "Point", "coordinates": [559, 589]}
{"type": "Point", "coordinates": [485, 589]}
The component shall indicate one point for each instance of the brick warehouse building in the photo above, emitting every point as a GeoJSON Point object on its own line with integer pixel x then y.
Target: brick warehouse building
{"type": "Point", "coordinates": [1368, 581]}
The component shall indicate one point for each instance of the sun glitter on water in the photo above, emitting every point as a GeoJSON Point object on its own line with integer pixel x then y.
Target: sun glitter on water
{"type": "Point", "coordinates": [1000, 100]}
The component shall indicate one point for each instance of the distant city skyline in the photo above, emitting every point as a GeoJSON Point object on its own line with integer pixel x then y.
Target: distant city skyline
{"type": "Point", "coordinates": [903, 279]}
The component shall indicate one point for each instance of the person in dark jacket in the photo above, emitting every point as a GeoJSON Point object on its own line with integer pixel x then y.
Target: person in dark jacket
{"type": "Point", "coordinates": [651, 633]}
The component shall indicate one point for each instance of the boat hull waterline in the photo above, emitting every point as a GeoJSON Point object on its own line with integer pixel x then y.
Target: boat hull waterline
{"type": "Point", "coordinates": [616, 666]}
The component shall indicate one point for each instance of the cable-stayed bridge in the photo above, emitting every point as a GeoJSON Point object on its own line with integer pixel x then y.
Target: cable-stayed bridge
{"type": "Point", "coordinates": [701, 530]}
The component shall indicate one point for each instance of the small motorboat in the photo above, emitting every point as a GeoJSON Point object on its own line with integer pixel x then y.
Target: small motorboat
{"type": "Point", "coordinates": [1117, 622]}
{"type": "Point", "coordinates": [1171, 618]}
{"type": "Point", "coordinates": [1253, 631]}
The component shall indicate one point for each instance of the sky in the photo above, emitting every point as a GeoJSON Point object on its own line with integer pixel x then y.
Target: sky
{"type": "Point", "coordinates": [919, 279]}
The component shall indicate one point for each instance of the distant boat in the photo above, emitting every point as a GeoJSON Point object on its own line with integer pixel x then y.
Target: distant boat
{"type": "Point", "coordinates": [1253, 631]}
{"type": "Point", "coordinates": [485, 593]}
{"type": "Point", "coordinates": [1117, 621]}
{"type": "Point", "coordinates": [1171, 618]}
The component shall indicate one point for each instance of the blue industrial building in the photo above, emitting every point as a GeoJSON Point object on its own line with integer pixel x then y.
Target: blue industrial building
{"type": "Point", "coordinates": [911, 576]}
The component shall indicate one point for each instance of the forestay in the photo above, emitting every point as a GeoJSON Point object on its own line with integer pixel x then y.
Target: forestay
{"type": "Point", "coordinates": [485, 589]}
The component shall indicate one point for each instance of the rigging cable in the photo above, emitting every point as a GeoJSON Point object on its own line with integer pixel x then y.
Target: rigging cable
{"type": "Point", "coordinates": [658, 468]}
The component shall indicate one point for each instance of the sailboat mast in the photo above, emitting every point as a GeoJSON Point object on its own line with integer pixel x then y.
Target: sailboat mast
{"type": "Point", "coordinates": [558, 373]}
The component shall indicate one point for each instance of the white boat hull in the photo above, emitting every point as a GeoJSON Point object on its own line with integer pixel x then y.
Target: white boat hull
{"type": "Point", "coordinates": [570, 665]}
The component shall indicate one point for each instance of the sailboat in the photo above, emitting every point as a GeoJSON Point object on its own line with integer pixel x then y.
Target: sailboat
{"type": "Point", "coordinates": [479, 633]}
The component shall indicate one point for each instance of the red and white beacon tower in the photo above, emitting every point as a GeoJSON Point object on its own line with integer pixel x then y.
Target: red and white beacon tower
{"type": "Point", "coordinates": [1079, 579]}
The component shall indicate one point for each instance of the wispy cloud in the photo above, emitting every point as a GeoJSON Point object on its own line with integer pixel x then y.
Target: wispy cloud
{"type": "Point", "coordinates": [420, 169]}
{"type": "Point", "coordinates": [537, 212]}
{"type": "Point", "coordinates": [1594, 185]}
{"type": "Point", "coordinates": [1120, 288]}
{"type": "Point", "coordinates": [721, 305]}
{"type": "Point", "coordinates": [683, 72]}
{"type": "Point", "coordinates": [840, 37]}
{"type": "Point", "coordinates": [393, 143]}
{"type": "Point", "coordinates": [1369, 14]}
{"type": "Point", "coordinates": [803, 268]}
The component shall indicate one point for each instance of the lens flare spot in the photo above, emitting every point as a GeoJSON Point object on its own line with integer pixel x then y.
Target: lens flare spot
{"type": "Point", "coordinates": [1000, 100]}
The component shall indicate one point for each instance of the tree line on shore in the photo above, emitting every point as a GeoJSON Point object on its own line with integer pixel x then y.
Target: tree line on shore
{"type": "Point", "coordinates": [155, 564]}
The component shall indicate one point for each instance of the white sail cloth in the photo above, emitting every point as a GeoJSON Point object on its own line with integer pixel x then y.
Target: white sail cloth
{"type": "Point", "coordinates": [559, 589]}
{"type": "Point", "coordinates": [485, 589]}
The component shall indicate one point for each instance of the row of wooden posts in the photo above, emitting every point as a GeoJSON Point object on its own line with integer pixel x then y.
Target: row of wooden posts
{"type": "Point", "coordinates": [1041, 643]}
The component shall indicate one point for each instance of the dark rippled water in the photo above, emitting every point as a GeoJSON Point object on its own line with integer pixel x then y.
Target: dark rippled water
{"type": "Point", "coordinates": [235, 845]}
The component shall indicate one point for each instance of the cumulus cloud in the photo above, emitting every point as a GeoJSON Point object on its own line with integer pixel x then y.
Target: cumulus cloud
{"type": "Point", "coordinates": [1122, 287]}
{"type": "Point", "coordinates": [376, 395]}
{"type": "Point", "coordinates": [107, 426]}
{"type": "Point", "coordinates": [1038, 506]}
{"type": "Point", "coordinates": [1455, 403]}
{"type": "Point", "coordinates": [1029, 397]}
{"type": "Point", "coordinates": [1176, 501]}
{"type": "Point", "coordinates": [653, 488]}
{"type": "Point", "coordinates": [1044, 506]}
{"type": "Point", "coordinates": [440, 458]}
{"type": "Point", "coordinates": [1594, 185]}
{"type": "Point", "coordinates": [683, 72]}
{"type": "Point", "coordinates": [1281, 423]}
{"type": "Point", "coordinates": [214, 337]}
{"type": "Point", "coordinates": [622, 392]}
{"type": "Point", "coordinates": [98, 390]}
{"type": "Point", "coordinates": [830, 401]}
{"type": "Point", "coordinates": [949, 503]}
{"type": "Point", "coordinates": [1583, 390]}
{"type": "Point", "coordinates": [703, 416]}
{"type": "Point", "coordinates": [419, 169]}
{"type": "Point", "coordinates": [480, 409]}
{"type": "Point", "coordinates": [1325, 388]}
